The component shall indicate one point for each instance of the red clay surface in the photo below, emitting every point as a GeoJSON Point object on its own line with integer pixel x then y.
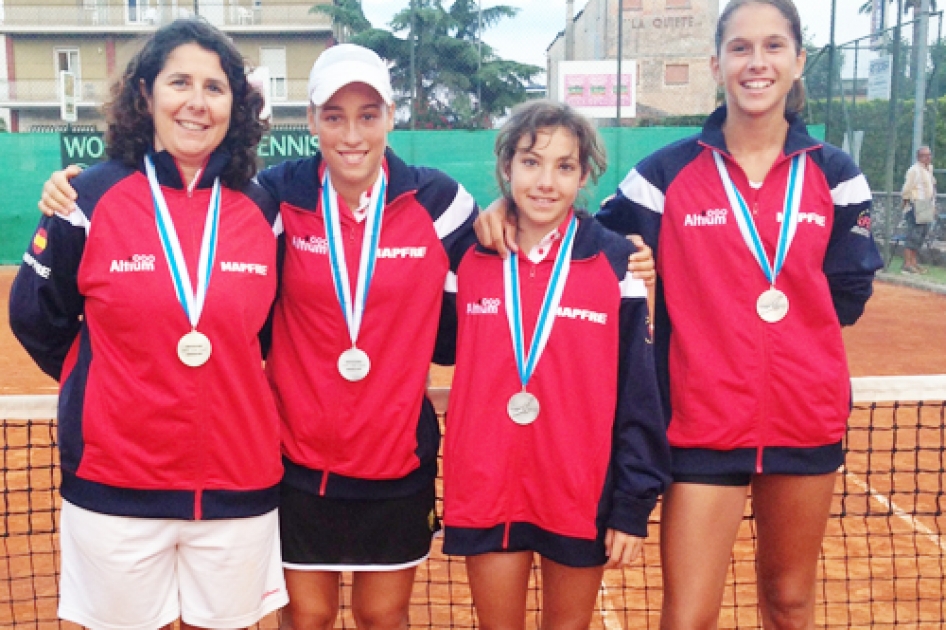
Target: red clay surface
{"type": "Point", "coordinates": [902, 331]}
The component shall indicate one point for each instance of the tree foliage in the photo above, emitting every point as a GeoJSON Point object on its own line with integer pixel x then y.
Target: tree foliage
{"type": "Point", "coordinates": [872, 118]}
{"type": "Point", "coordinates": [909, 7]}
{"type": "Point", "coordinates": [816, 68]}
{"type": "Point", "coordinates": [458, 80]}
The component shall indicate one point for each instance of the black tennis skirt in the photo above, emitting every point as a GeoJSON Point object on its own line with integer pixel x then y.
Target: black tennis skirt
{"type": "Point", "coordinates": [331, 534]}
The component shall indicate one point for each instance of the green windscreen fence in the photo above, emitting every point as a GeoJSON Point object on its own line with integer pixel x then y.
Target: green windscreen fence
{"type": "Point", "coordinates": [27, 159]}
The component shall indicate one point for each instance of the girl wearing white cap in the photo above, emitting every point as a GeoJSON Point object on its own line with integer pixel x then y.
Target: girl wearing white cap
{"type": "Point", "coordinates": [369, 245]}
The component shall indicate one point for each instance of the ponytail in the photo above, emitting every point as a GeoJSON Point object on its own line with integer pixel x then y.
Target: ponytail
{"type": "Point", "coordinates": [795, 101]}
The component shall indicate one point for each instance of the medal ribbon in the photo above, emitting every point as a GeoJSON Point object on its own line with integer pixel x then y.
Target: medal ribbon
{"type": "Point", "coordinates": [750, 234]}
{"type": "Point", "coordinates": [353, 310]}
{"type": "Point", "coordinates": [192, 302]}
{"type": "Point", "coordinates": [525, 363]}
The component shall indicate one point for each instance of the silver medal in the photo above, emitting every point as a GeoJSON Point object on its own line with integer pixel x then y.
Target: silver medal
{"type": "Point", "coordinates": [194, 349]}
{"type": "Point", "coordinates": [354, 364]}
{"type": "Point", "coordinates": [523, 408]}
{"type": "Point", "coordinates": [772, 306]}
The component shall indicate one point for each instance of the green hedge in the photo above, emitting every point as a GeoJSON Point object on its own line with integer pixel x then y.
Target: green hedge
{"type": "Point", "coordinates": [872, 118]}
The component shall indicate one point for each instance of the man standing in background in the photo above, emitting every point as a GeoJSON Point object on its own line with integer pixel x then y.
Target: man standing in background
{"type": "Point", "coordinates": [919, 206]}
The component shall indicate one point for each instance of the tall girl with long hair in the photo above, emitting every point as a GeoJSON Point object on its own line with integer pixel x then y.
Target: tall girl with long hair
{"type": "Point", "coordinates": [763, 246]}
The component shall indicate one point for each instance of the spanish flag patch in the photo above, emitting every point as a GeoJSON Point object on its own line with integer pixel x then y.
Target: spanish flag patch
{"type": "Point", "coordinates": [39, 241]}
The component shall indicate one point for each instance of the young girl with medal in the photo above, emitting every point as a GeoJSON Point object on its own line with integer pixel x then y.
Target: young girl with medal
{"type": "Point", "coordinates": [555, 446]}
{"type": "Point", "coordinates": [168, 431]}
{"type": "Point", "coordinates": [764, 250]}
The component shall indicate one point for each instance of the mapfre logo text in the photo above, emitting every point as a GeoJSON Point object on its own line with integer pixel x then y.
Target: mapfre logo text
{"type": "Point", "coordinates": [402, 252]}
{"type": "Point", "coordinates": [243, 267]}
{"type": "Point", "coordinates": [805, 217]}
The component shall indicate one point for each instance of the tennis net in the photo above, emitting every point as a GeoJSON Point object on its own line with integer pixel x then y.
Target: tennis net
{"type": "Point", "coordinates": [883, 558]}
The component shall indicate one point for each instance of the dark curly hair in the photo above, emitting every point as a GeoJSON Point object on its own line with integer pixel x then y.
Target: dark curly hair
{"type": "Point", "coordinates": [130, 130]}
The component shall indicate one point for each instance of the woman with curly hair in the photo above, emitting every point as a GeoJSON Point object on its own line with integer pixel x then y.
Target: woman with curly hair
{"type": "Point", "coordinates": [145, 303]}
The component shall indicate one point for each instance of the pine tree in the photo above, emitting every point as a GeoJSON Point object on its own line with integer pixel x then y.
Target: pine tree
{"type": "Point", "coordinates": [458, 80]}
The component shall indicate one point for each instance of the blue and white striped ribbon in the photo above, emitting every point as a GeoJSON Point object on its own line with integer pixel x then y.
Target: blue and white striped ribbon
{"type": "Point", "coordinates": [353, 309]}
{"type": "Point", "coordinates": [750, 234]}
{"type": "Point", "coordinates": [526, 363]}
{"type": "Point", "coordinates": [191, 301]}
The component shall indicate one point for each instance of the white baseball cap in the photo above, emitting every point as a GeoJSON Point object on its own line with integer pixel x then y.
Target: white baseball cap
{"type": "Point", "coordinates": [342, 64]}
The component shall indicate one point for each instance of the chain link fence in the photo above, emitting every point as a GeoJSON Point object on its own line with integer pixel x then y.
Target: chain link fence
{"type": "Point", "coordinates": [866, 98]}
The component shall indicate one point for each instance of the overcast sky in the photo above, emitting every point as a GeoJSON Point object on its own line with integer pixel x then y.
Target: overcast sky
{"type": "Point", "coordinates": [526, 37]}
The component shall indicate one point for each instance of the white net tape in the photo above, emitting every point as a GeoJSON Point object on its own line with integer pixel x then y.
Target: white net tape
{"type": "Point", "coordinates": [866, 389]}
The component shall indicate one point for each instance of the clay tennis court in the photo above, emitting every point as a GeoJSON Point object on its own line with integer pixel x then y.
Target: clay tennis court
{"type": "Point", "coordinates": [903, 332]}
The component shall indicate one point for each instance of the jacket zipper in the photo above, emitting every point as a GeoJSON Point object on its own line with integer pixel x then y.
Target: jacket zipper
{"type": "Point", "coordinates": [764, 395]}
{"type": "Point", "coordinates": [351, 239]}
{"type": "Point", "coordinates": [513, 491]}
{"type": "Point", "coordinates": [199, 495]}
{"type": "Point", "coordinates": [764, 401]}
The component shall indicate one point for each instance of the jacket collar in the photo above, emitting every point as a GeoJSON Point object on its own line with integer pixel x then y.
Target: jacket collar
{"type": "Point", "coordinates": [169, 175]}
{"type": "Point", "coordinates": [796, 141]}
{"type": "Point", "coordinates": [585, 243]}
{"type": "Point", "coordinates": [400, 177]}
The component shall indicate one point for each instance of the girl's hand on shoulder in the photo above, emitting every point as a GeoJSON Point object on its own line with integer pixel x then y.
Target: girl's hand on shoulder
{"type": "Point", "coordinates": [641, 263]}
{"type": "Point", "coordinates": [622, 549]}
{"type": "Point", "coordinates": [58, 195]}
{"type": "Point", "coordinates": [494, 231]}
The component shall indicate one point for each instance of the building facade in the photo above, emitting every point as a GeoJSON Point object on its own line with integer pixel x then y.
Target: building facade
{"type": "Point", "coordinates": [669, 41]}
{"type": "Point", "coordinates": [94, 39]}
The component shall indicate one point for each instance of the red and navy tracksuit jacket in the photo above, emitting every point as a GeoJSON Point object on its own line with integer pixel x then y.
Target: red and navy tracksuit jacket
{"type": "Point", "coordinates": [743, 395]}
{"type": "Point", "coordinates": [140, 433]}
{"type": "Point", "coordinates": [378, 437]}
{"type": "Point", "coordinates": [597, 455]}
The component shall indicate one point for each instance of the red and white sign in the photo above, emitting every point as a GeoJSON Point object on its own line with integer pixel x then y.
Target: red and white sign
{"type": "Point", "coordinates": [592, 87]}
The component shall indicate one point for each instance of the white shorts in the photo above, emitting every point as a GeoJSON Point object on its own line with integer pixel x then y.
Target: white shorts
{"type": "Point", "coordinates": [122, 573]}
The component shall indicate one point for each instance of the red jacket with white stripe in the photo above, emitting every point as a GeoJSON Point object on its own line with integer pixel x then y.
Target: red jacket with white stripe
{"type": "Point", "coordinates": [377, 437]}
{"type": "Point", "coordinates": [731, 381]}
{"type": "Point", "coordinates": [598, 446]}
{"type": "Point", "coordinates": [140, 433]}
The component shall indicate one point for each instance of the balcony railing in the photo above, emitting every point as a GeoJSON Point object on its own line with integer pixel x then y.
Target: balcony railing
{"type": "Point", "coordinates": [47, 91]}
{"type": "Point", "coordinates": [94, 15]}
{"type": "Point", "coordinates": [95, 92]}
{"type": "Point", "coordinates": [295, 91]}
